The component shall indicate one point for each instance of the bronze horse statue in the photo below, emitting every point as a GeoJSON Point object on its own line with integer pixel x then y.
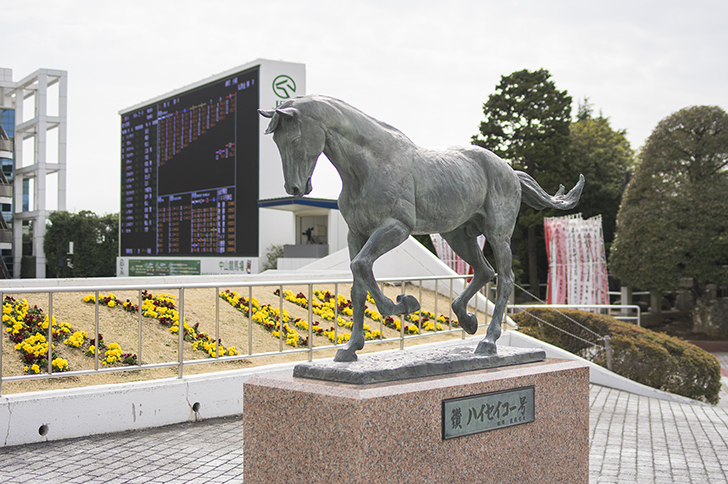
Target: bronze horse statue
{"type": "Point", "coordinates": [392, 188]}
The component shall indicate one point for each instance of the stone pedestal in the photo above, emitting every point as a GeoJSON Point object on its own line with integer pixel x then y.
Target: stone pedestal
{"type": "Point", "coordinates": [308, 431]}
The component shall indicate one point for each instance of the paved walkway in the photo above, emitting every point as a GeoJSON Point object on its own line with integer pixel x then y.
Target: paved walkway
{"type": "Point", "coordinates": [633, 439]}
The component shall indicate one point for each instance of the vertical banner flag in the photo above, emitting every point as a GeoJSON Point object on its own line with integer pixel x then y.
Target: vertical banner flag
{"type": "Point", "coordinates": [449, 257]}
{"type": "Point", "coordinates": [577, 261]}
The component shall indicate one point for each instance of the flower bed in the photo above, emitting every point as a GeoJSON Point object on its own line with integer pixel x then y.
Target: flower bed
{"type": "Point", "coordinates": [423, 317]}
{"type": "Point", "coordinates": [268, 317]}
{"type": "Point", "coordinates": [324, 306]}
{"type": "Point", "coordinates": [162, 308]}
{"type": "Point", "coordinates": [28, 329]}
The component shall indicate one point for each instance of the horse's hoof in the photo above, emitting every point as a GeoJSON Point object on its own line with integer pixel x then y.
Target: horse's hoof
{"type": "Point", "coordinates": [407, 304]}
{"type": "Point", "coordinates": [486, 348]}
{"type": "Point", "coordinates": [469, 324]}
{"type": "Point", "coordinates": [345, 355]}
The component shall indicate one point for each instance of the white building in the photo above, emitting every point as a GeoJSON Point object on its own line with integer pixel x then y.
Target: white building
{"type": "Point", "coordinates": [33, 157]}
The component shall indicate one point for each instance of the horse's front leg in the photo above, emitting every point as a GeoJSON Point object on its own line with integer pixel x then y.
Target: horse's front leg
{"type": "Point", "coordinates": [363, 252]}
{"type": "Point", "coordinates": [356, 341]}
{"type": "Point", "coordinates": [386, 237]}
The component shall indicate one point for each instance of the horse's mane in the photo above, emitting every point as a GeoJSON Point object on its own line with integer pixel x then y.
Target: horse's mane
{"type": "Point", "coordinates": [337, 114]}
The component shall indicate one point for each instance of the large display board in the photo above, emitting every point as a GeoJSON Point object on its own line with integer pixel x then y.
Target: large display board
{"type": "Point", "coordinates": [189, 172]}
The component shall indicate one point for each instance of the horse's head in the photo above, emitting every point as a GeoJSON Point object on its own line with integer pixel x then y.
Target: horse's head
{"type": "Point", "coordinates": [300, 140]}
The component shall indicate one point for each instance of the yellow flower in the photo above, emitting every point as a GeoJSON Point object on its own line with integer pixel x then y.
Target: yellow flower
{"type": "Point", "coordinates": [76, 339]}
{"type": "Point", "coordinates": [60, 364]}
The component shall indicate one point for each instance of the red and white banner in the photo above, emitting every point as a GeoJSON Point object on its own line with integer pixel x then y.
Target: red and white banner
{"type": "Point", "coordinates": [577, 261]}
{"type": "Point", "coordinates": [449, 257]}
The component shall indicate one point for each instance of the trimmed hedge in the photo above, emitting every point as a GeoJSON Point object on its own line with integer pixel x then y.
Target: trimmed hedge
{"type": "Point", "coordinates": [654, 359]}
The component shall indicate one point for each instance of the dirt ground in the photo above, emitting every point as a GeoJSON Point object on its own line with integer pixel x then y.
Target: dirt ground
{"type": "Point", "coordinates": [215, 316]}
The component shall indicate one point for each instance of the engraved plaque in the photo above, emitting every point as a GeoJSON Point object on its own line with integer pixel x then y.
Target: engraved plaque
{"type": "Point", "coordinates": [487, 411]}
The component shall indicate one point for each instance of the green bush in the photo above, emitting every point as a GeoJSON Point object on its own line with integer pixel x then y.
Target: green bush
{"type": "Point", "coordinates": [654, 359]}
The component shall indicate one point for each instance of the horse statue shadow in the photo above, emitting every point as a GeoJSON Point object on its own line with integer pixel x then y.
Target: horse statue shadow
{"type": "Point", "coordinates": [392, 188]}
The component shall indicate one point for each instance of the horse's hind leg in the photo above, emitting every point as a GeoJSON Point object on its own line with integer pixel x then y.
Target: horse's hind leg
{"type": "Point", "coordinates": [503, 258]}
{"type": "Point", "coordinates": [465, 244]}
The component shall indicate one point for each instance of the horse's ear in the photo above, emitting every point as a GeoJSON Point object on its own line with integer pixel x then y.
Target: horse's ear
{"type": "Point", "coordinates": [274, 117]}
{"type": "Point", "coordinates": [290, 112]}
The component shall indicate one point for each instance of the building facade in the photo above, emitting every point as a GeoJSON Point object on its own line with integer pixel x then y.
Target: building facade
{"type": "Point", "coordinates": [33, 117]}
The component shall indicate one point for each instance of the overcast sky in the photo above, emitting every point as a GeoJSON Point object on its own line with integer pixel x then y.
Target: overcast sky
{"type": "Point", "coordinates": [423, 66]}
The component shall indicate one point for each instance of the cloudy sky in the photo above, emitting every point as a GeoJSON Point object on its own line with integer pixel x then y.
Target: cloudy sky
{"type": "Point", "coordinates": [423, 66]}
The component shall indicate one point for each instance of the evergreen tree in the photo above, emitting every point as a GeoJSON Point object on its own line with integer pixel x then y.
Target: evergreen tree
{"type": "Point", "coordinates": [527, 123]}
{"type": "Point", "coordinates": [673, 220]}
{"type": "Point", "coordinates": [604, 157]}
{"type": "Point", "coordinates": [95, 244]}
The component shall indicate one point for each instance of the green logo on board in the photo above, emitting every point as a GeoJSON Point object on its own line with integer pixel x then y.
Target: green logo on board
{"type": "Point", "coordinates": [284, 86]}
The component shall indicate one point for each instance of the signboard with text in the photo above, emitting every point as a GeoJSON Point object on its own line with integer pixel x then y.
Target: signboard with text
{"type": "Point", "coordinates": [487, 411]}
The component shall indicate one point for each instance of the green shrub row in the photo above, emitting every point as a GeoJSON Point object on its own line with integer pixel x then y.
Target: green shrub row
{"type": "Point", "coordinates": [654, 359]}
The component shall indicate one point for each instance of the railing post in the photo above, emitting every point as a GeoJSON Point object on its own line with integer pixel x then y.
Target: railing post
{"type": "Point", "coordinates": [139, 346]}
{"type": "Point", "coordinates": [437, 290]}
{"type": "Point", "coordinates": [608, 347]}
{"type": "Point", "coordinates": [250, 320]}
{"type": "Point", "coordinates": [96, 334]}
{"type": "Point", "coordinates": [419, 314]}
{"type": "Point", "coordinates": [50, 333]}
{"type": "Point", "coordinates": [401, 324]}
{"type": "Point", "coordinates": [336, 314]}
{"type": "Point", "coordinates": [462, 331]}
{"type": "Point", "coordinates": [487, 303]}
{"type": "Point", "coordinates": [280, 318]}
{"type": "Point", "coordinates": [381, 318]}
{"type": "Point", "coordinates": [217, 322]}
{"type": "Point", "coordinates": [310, 322]}
{"type": "Point", "coordinates": [449, 317]}
{"type": "Point", "coordinates": [181, 333]}
{"type": "Point", "coordinates": [2, 303]}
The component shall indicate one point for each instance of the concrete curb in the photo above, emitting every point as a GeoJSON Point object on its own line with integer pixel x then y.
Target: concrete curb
{"type": "Point", "coordinates": [61, 414]}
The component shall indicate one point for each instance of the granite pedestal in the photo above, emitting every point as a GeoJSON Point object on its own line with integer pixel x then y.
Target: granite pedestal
{"type": "Point", "coordinates": [309, 431]}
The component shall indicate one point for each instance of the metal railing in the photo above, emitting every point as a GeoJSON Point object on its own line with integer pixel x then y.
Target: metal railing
{"type": "Point", "coordinates": [623, 312]}
{"type": "Point", "coordinates": [602, 342]}
{"type": "Point", "coordinates": [180, 362]}
{"type": "Point", "coordinates": [443, 287]}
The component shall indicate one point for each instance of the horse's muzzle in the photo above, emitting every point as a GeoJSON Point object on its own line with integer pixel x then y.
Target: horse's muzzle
{"type": "Point", "coordinates": [296, 191]}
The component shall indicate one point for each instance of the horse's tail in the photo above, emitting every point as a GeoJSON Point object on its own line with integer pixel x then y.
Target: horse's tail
{"type": "Point", "coordinates": [534, 196]}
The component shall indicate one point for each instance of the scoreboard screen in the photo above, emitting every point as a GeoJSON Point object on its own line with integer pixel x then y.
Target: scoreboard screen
{"type": "Point", "coordinates": [189, 172]}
